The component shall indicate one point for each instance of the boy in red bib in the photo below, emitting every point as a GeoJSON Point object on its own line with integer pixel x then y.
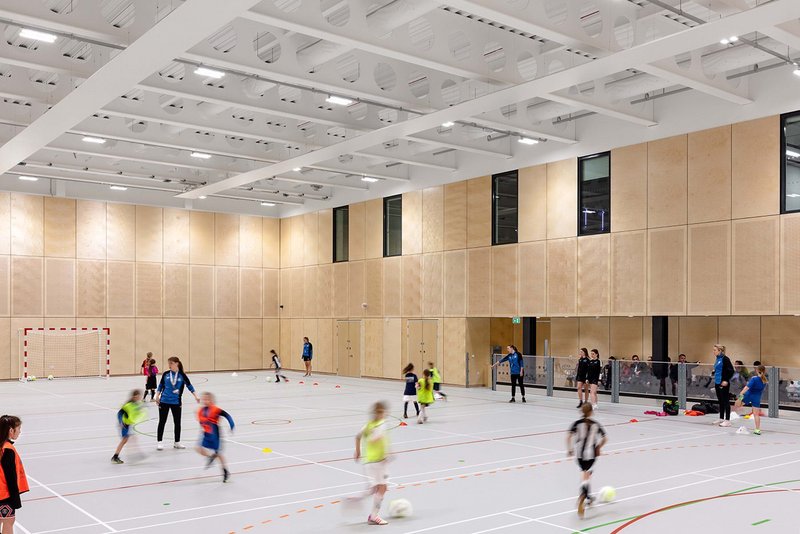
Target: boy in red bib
{"type": "Point", "coordinates": [211, 444]}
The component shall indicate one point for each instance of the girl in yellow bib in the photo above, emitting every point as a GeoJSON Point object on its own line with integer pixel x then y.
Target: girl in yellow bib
{"type": "Point", "coordinates": [375, 442]}
{"type": "Point", "coordinates": [425, 394]}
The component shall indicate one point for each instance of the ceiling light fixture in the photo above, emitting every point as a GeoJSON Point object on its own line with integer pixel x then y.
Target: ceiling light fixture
{"type": "Point", "coordinates": [297, 169]}
{"type": "Point", "coordinates": [796, 70]}
{"type": "Point", "coordinates": [527, 141]}
{"type": "Point", "coordinates": [338, 100]}
{"type": "Point", "coordinates": [29, 178]}
{"type": "Point", "coordinates": [793, 195]}
{"type": "Point", "coordinates": [201, 155]}
{"type": "Point", "coordinates": [38, 36]}
{"type": "Point", "coordinates": [95, 140]}
{"type": "Point", "coordinates": [118, 188]}
{"type": "Point", "coordinates": [448, 124]}
{"type": "Point", "coordinates": [209, 73]}
{"type": "Point", "coordinates": [202, 197]}
{"type": "Point", "coordinates": [369, 179]}
{"type": "Point", "coordinates": [792, 153]}
{"type": "Point", "coordinates": [268, 204]}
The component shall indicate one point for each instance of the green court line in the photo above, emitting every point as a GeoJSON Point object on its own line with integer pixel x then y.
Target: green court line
{"type": "Point", "coordinates": [761, 522]}
{"type": "Point", "coordinates": [589, 529]}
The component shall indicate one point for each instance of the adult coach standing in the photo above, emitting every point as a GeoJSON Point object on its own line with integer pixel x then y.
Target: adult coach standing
{"type": "Point", "coordinates": [723, 372]}
{"type": "Point", "coordinates": [168, 398]}
{"type": "Point", "coordinates": [516, 366]}
{"type": "Point", "coordinates": [308, 353]}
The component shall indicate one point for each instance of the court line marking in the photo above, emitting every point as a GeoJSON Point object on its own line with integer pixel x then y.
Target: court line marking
{"type": "Point", "coordinates": [72, 504]}
{"type": "Point", "coordinates": [24, 530]}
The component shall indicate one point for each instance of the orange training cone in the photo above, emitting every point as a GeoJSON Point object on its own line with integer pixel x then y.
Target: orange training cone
{"type": "Point", "coordinates": [338, 386]}
{"type": "Point", "coordinates": [301, 382]}
{"type": "Point", "coordinates": [634, 421]}
{"type": "Point", "coordinates": [403, 423]}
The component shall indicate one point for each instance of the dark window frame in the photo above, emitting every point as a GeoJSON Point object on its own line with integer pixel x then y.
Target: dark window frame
{"type": "Point", "coordinates": [386, 226]}
{"type": "Point", "coordinates": [580, 193]}
{"type": "Point", "coordinates": [495, 177]}
{"type": "Point", "coordinates": [782, 156]}
{"type": "Point", "coordinates": [345, 209]}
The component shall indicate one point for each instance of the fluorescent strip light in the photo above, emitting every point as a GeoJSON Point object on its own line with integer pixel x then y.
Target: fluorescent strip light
{"type": "Point", "coordinates": [202, 197]}
{"type": "Point", "coordinates": [793, 195]}
{"type": "Point", "coordinates": [527, 141]}
{"type": "Point", "coordinates": [297, 169]}
{"type": "Point", "coordinates": [338, 100]}
{"type": "Point", "coordinates": [209, 73]}
{"type": "Point", "coordinates": [448, 124]}
{"type": "Point", "coordinates": [268, 204]}
{"type": "Point", "coordinates": [733, 39]}
{"type": "Point", "coordinates": [200, 155]}
{"type": "Point", "coordinates": [38, 36]}
{"type": "Point", "coordinates": [29, 178]}
{"type": "Point", "coordinates": [369, 179]}
{"type": "Point", "coordinates": [724, 41]}
{"type": "Point", "coordinates": [95, 140]}
{"type": "Point", "coordinates": [118, 188]}
{"type": "Point", "coordinates": [792, 153]}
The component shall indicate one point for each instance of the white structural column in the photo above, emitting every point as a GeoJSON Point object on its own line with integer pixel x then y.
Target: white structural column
{"type": "Point", "coordinates": [166, 40]}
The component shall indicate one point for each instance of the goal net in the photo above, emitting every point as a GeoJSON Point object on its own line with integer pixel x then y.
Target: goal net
{"type": "Point", "coordinates": [64, 352]}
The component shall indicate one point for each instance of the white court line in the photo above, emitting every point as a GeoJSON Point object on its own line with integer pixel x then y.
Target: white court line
{"type": "Point", "coordinates": [72, 504]}
{"type": "Point", "coordinates": [24, 530]}
{"type": "Point", "coordinates": [759, 484]}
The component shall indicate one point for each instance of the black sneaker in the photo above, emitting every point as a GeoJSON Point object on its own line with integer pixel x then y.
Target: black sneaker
{"type": "Point", "coordinates": [116, 460]}
{"type": "Point", "coordinates": [225, 475]}
{"type": "Point", "coordinates": [512, 400]}
{"type": "Point", "coordinates": [580, 404]}
{"type": "Point", "coordinates": [523, 399]}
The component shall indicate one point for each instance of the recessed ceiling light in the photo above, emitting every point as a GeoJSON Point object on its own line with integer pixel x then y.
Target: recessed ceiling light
{"type": "Point", "coordinates": [200, 155]}
{"type": "Point", "coordinates": [209, 73]}
{"type": "Point", "coordinates": [338, 100]}
{"type": "Point", "coordinates": [724, 41]}
{"type": "Point", "coordinates": [118, 188]}
{"type": "Point", "coordinates": [268, 204]}
{"type": "Point", "coordinates": [95, 140]}
{"type": "Point", "coordinates": [202, 197]}
{"type": "Point", "coordinates": [527, 141]}
{"type": "Point", "coordinates": [297, 169]}
{"type": "Point", "coordinates": [733, 39]}
{"type": "Point", "coordinates": [38, 36]}
{"type": "Point", "coordinates": [448, 124]}
{"type": "Point", "coordinates": [29, 178]}
{"type": "Point", "coordinates": [792, 153]}
{"type": "Point", "coordinates": [369, 179]}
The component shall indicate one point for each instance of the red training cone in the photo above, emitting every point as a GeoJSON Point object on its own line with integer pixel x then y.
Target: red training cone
{"type": "Point", "coordinates": [301, 382]}
{"type": "Point", "coordinates": [338, 386]}
{"type": "Point", "coordinates": [634, 421]}
{"type": "Point", "coordinates": [403, 423]}
{"type": "Point", "coordinates": [316, 383]}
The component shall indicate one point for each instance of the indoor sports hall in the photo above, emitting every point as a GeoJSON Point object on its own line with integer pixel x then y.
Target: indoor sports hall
{"type": "Point", "coordinates": [456, 266]}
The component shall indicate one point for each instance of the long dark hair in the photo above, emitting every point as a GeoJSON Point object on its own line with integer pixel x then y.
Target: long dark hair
{"type": "Point", "coordinates": [7, 424]}
{"type": "Point", "coordinates": [408, 368]}
{"type": "Point", "coordinates": [427, 374]}
{"type": "Point", "coordinates": [177, 360]}
{"type": "Point", "coordinates": [514, 349]}
{"type": "Point", "coordinates": [584, 353]}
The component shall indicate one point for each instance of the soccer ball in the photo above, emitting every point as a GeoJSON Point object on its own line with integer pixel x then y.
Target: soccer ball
{"type": "Point", "coordinates": [49, 377]}
{"type": "Point", "coordinates": [400, 508]}
{"type": "Point", "coordinates": [606, 494]}
{"type": "Point", "coordinates": [32, 378]}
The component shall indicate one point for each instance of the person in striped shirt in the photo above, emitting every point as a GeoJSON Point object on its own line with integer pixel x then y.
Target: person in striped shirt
{"type": "Point", "coordinates": [585, 439]}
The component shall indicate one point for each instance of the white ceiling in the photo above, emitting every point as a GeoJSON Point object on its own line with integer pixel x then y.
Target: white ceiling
{"type": "Point", "coordinates": [579, 76]}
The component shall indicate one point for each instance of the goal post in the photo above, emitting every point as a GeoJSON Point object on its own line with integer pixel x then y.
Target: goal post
{"type": "Point", "coordinates": [64, 352]}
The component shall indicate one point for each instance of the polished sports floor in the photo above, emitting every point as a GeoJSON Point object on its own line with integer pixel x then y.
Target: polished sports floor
{"type": "Point", "coordinates": [480, 464]}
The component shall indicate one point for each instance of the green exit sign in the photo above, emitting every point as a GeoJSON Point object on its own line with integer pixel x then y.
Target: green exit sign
{"type": "Point", "coordinates": [516, 320]}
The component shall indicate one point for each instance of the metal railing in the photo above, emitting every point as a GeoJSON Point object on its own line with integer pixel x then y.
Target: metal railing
{"type": "Point", "coordinates": [689, 383]}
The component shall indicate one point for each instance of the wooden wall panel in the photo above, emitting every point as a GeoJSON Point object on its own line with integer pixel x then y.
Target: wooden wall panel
{"type": "Point", "coordinates": [250, 344]}
{"type": "Point", "coordinates": [5, 286]}
{"type": "Point", "coordinates": [356, 294]}
{"type": "Point", "coordinates": [373, 233]}
{"type": "Point", "coordinates": [175, 343]}
{"type": "Point", "coordinates": [226, 239]}
{"type": "Point", "coordinates": [479, 282]}
{"type": "Point", "coordinates": [270, 340]}
{"type": "Point", "coordinates": [251, 241]}
{"type": "Point", "coordinates": [533, 279]}
{"type": "Point", "coordinates": [756, 265]}
{"type": "Point", "coordinates": [271, 244]}
{"type": "Point", "coordinates": [296, 243]}
{"type": "Point", "coordinates": [455, 283]}
{"type": "Point", "coordinates": [298, 332]}
{"type": "Point", "coordinates": [325, 288]}
{"type": "Point", "coordinates": [323, 347]}
{"type": "Point", "coordinates": [60, 225]}
{"type": "Point", "coordinates": [201, 291]}
{"type": "Point", "coordinates": [149, 234]}
{"type": "Point", "coordinates": [373, 287]}
{"type": "Point", "coordinates": [285, 242]}
{"type": "Point", "coordinates": [227, 292]}
{"type": "Point", "coordinates": [373, 348]}
{"type": "Point", "coordinates": [286, 349]}
{"type": "Point", "coordinates": [148, 290]}
{"type": "Point", "coordinates": [756, 168]}
{"type": "Point", "coordinates": [778, 340]}
{"type": "Point", "coordinates": [453, 361]}
{"type": "Point", "coordinates": [709, 271]}
{"type": "Point", "coordinates": [741, 337]}
{"type": "Point", "coordinates": [310, 291]}
{"type": "Point", "coordinates": [250, 293]}
{"type": "Point", "coordinates": [564, 336]}
{"type": "Point", "coordinates": [455, 216]}
{"type": "Point", "coordinates": [790, 263]}
{"type": "Point", "coordinates": [392, 348]}
{"type": "Point", "coordinates": [392, 286]}
{"type": "Point", "coordinates": [310, 237]}
{"type": "Point", "coordinates": [709, 175]}
{"type": "Point", "coordinates": [477, 344]}
{"type": "Point", "coordinates": [340, 288]}
{"type": "Point", "coordinates": [357, 228]}
{"type": "Point", "coordinates": [177, 236]}
{"type": "Point", "coordinates": [433, 219]}
{"type": "Point", "coordinates": [226, 344]}
{"type": "Point", "coordinates": [432, 285]}
{"type": "Point", "coordinates": [629, 273]}
{"type": "Point", "coordinates": [201, 344]}
{"type": "Point", "coordinates": [91, 290]}
{"type": "Point", "coordinates": [667, 181]}
{"type": "Point", "coordinates": [412, 222]}
{"type": "Point", "coordinates": [562, 199]}
{"type": "Point", "coordinates": [479, 212]}
{"type": "Point", "coordinates": [594, 274]}
{"type": "Point", "coordinates": [286, 305]}
{"type": "Point", "coordinates": [201, 237]}
{"type": "Point", "coordinates": [629, 188]}
{"type": "Point", "coordinates": [504, 280]}
{"type": "Point", "coordinates": [120, 232]}
{"type": "Point", "coordinates": [666, 271]}
{"type": "Point", "coordinates": [149, 337]}
{"type": "Point", "coordinates": [325, 238]}
{"type": "Point", "coordinates": [27, 225]}
{"type": "Point", "coordinates": [562, 277]}
{"type": "Point", "coordinates": [297, 279]}
{"type": "Point", "coordinates": [121, 286]}
{"type": "Point", "coordinates": [91, 230]}
{"type": "Point", "coordinates": [697, 337]}
{"type": "Point", "coordinates": [412, 286]}
{"type": "Point", "coordinates": [5, 232]}
{"type": "Point", "coordinates": [123, 346]}
{"type": "Point", "coordinates": [595, 333]}
{"type": "Point", "coordinates": [59, 287]}
{"type": "Point", "coordinates": [176, 290]}
{"type": "Point", "coordinates": [272, 292]}
{"type": "Point", "coordinates": [8, 342]}
{"type": "Point", "coordinates": [533, 203]}
{"type": "Point", "coordinates": [625, 337]}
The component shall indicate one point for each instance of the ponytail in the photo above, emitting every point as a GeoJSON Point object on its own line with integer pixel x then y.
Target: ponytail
{"type": "Point", "coordinates": [408, 368]}
{"type": "Point", "coordinates": [428, 383]}
{"type": "Point", "coordinates": [7, 424]}
{"type": "Point", "coordinates": [762, 373]}
{"type": "Point", "coordinates": [177, 360]}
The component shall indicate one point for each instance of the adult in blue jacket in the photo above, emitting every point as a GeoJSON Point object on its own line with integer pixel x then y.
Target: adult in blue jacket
{"type": "Point", "coordinates": [723, 372]}
{"type": "Point", "coordinates": [308, 353]}
{"type": "Point", "coordinates": [168, 398]}
{"type": "Point", "coordinates": [517, 368]}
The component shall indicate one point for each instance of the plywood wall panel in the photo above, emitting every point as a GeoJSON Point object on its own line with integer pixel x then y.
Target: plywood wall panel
{"type": "Point", "coordinates": [325, 291]}
{"type": "Point", "coordinates": [250, 293]}
{"type": "Point", "coordinates": [412, 222]}
{"type": "Point", "coordinates": [271, 244]}
{"type": "Point", "coordinates": [325, 237]}
{"type": "Point", "coordinates": [357, 230]}
{"type": "Point", "coordinates": [479, 212]}
{"type": "Point", "coordinates": [562, 277]}
{"type": "Point", "coordinates": [629, 188]}
{"type": "Point", "coordinates": [778, 340]}
{"type": "Point", "coordinates": [562, 199]}
{"type": "Point", "coordinates": [455, 283]}
{"type": "Point", "coordinates": [756, 168]}
{"type": "Point", "coordinates": [201, 293]}
{"type": "Point", "coordinates": [373, 287]}
{"type": "Point", "coordinates": [250, 344]}
{"type": "Point", "coordinates": [91, 230]}
{"type": "Point", "coordinates": [533, 279]}
{"type": "Point", "coordinates": [123, 346]}
{"type": "Point", "coordinates": [455, 216]}
{"type": "Point", "coordinates": [392, 286]}
{"type": "Point", "coordinates": [373, 348]}
{"type": "Point", "coordinates": [175, 343]}
{"type": "Point", "coordinates": [479, 282]}
{"type": "Point", "coordinates": [709, 175]}
{"type": "Point", "coordinates": [310, 291]}
{"type": "Point", "coordinates": [432, 285]}
{"type": "Point", "coordinates": [286, 346]}
{"type": "Point", "coordinates": [594, 274]}
{"type": "Point", "coordinates": [27, 225]}
{"type": "Point", "coordinates": [59, 227]}
{"type": "Point", "coordinates": [91, 289]}
{"type": "Point", "coordinates": [533, 203]}
{"type": "Point", "coordinates": [5, 229]}
{"type": "Point", "coordinates": [285, 242]}
{"type": "Point", "coordinates": [373, 233]}
{"type": "Point", "coordinates": [504, 280]}
{"type": "Point", "coordinates": [666, 271]}
{"type": "Point", "coordinates": [5, 286]}
{"type": "Point", "coordinates": [392, 348]}
{"type": "Point", "coordinates": [270, 340]}
{"type": "Point", "coordinates": [323, 346]}
{"type": "Point", "coordinates": [149, 234]}
{"type": "Point", "coordinates": [564, 336]}
{"type": "Point", "coordinates": [595, 333]}
{"type": "Point", "coordinates": [709, 272]}
{"type": "Point", "coordinates": [629, 273]}
{"type": "Point", "coordinates": [121, 232]}
{"type": "Point", "coordinates": [202, 238]}
{"type": "Point", "coordinates": [667, 182]}
{"type": "Point", "coordinates": [287, 306]}
{"type": "Point", "coordinates": [790, 263]}
{"type": "Point", "coordinates": [297, 242]}
{"type": "Point", "coordinates": [251, 241]}
{"type": "Point", "coordinates": [121, 287]}
{"type": "Point", "coordinates": [227, 292]}
{"type": "Point", "coordinates": [226, 344]}
{"type": "Point", "coordinates": [226, 239]}
{"type": "Point", "coordinates": [412, 286]}
{"type": "Point", "coordinates": [176, 290]}
{"type": "Point", "coordinates": [272, 292]}
{"type": "Point", "coordinates": [433, 219]}
{"type": "Point", "coordinates": [340, 288]}
{"type": "Point", "coordinates": [298, 332]}
{"type": "Point", "coordinates": [296, 276]}
{"type": "Point", "coordinates": [201, 344]}
{"type": "Point", "coordinates": [625, 337]}
{"type": "Point", "coordinates": [310, 237]}
{"type": "Point", "coordinates": [697, 337]}
{"type": "Point", "coordinates": [149, 337]}
{"type": "Point", "coordinates": [741, 337]}
{"type": "Point", "coordinates": [756, 265]}
{"type": "Point", "coordinates": [453, 361]}
{"type": "Point", "coordinates": [177, 236]}
{"type": "Point", "coordinates": [148, 290]}
{"type": "Point", "coordinates": [59, 287]}
{"type": "Point", "coordinates": [356, 293]}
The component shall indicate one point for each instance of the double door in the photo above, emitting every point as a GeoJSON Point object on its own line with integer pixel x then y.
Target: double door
{"type": "Point", "coordinates": [348, 348]}
{"type": "Point", "coordinates": [422, 343]}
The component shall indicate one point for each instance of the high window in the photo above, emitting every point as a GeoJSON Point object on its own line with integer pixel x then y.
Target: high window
{"type": "Point", "coordinates": [505, 211]}
{"type": "Point", "coordinates": [341, 234]}
{"type": "Point", "coordinates": [790, 169]}
{"type": "Point", "coordinates": [594, 194]}
{"type": "Point", "coordinates": [393, 226]}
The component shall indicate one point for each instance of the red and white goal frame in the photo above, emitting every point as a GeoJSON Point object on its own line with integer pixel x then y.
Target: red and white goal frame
{"type": "Point", "coordinates": [64, 352]}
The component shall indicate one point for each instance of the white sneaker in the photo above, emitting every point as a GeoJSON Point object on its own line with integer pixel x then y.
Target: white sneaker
{"type": "Point", "coordinates": [716, 422]}
{"type": "Point", "coordinates": [160, 446]}
{"type": "Point", "coordinates": [742, 430]}
{"type": "Point", "coordinates": [594, 407]}
{"type": "Point", "coordinates": [725, 423]}
{"type": "Point", "coordinates": [178, 445]}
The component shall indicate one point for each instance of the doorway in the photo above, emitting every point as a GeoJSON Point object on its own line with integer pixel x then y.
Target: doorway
{"type": "Point", "coordinates": [422, 343]}
{"type": "Point", "coordinates": [348, 348]}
